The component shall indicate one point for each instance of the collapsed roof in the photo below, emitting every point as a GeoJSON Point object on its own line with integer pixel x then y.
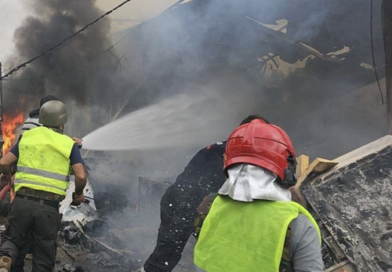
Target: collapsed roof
{"type": "Point", "coordinates": [199, 34]}
{"type": "Point", "coordinates": [300, 57]}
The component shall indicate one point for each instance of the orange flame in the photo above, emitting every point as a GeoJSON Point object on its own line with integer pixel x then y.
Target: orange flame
{"type": "Point", "coordinates": [10, 124]}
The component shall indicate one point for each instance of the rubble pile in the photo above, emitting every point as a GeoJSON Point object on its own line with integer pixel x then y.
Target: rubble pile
{"type": "Point", "coordinates": [351, 203]}
{"type": "Point", "coordinates": [98, 235]}
{"type": "Point", "coordinates": [93, 244]}
{"type": "Point", "coordinates": [94, 248]}
{"type": "Point", "coordinates": [108, 232]}
{"type": "Point", "coordinates": [113, 230]}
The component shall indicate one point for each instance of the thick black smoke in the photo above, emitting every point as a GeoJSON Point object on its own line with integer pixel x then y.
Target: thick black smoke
{"type": "Point", "coordinates": [80, 70]}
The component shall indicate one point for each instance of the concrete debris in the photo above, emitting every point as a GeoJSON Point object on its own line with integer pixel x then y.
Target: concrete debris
{"type": "Point", "coordinates": [90, 252]}
{"type": "Point", "coordinates": [71, 233]}
{"type": "Point", "coordinates": [87, 239]}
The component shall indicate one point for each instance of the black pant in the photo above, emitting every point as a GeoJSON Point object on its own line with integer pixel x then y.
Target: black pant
{"type": "Point", "coordinates": [43, 222]}
{"type": "Point", "coordinates": [174, 231]}
{"type": "Point", "coordinates": [18, 264]}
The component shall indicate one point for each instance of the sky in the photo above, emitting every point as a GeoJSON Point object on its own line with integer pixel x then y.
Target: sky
{"type": "Point", "coordinates": [12, 14]}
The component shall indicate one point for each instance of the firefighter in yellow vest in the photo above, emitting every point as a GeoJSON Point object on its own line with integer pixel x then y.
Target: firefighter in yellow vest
{"type": "Point", "coordinates": [44, 157]}
{"type": "Point", "coordinates": [253, 226]}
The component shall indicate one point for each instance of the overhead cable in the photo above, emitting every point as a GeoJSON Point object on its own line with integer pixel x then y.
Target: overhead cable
{"type": "Point", "coordinates": [24, 64]}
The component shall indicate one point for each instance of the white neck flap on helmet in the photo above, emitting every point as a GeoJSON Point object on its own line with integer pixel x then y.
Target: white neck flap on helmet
{"type": "Point", "coordinates": [248, 182]}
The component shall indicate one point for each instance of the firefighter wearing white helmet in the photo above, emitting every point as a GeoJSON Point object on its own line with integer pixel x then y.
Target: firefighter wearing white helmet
{"type": "Point", "coordinates": [44, 157]}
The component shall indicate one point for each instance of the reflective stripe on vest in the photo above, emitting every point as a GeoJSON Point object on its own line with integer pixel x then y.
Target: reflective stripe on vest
{"type": "Point", "coordinates": [245, 237]}
{"type": "Point", "coordinates": [43, 162]}
{"type": "Point", "coordinates": [42, 185]}
{"type": "Point", "coordinates": [43, 173]}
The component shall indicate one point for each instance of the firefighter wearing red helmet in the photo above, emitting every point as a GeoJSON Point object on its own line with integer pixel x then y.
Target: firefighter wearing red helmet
{"type": "Point", "coordinates": [253, 225]}
{"type": "Point", "coordinates": [202, 177]}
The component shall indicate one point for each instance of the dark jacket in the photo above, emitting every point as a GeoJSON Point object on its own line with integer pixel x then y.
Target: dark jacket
{"type": "Point", "coordinates": [202, 176]}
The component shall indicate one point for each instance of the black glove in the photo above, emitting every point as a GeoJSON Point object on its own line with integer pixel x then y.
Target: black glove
{"type": "Point", "coordinates": [77, 199]}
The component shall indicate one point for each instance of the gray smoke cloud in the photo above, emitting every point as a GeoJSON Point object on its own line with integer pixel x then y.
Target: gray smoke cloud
{"type": "Point", "coordinates": [211, 47]}
{"type": "Point", "coordinates": [215, 42]}
{"type": "Point", "coordinates": [202, 43]}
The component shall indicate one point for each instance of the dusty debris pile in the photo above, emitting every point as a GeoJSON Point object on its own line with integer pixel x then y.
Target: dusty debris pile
{"type": "Point", "coordinates": [93, 244]}
{"type": "Point", "coordinates": [352, 204]}
{"type": "Point", "coordinates": [113, 231]}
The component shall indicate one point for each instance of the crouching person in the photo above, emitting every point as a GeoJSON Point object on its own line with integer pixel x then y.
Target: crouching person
{"type": "Point", "coordinates": [44, 156]}
{"type": "Point", "coordinates": [253, 225]}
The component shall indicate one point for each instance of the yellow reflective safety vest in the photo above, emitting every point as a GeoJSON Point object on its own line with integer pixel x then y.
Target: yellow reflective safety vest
{"type": "Point", "coordinates": [245, 237]}
{"type": "Point", "coordinates": [43, 162]}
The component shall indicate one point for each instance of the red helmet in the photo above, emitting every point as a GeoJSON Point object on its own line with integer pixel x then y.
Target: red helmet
{"type": "Point", "coordinates": [261, 144]}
